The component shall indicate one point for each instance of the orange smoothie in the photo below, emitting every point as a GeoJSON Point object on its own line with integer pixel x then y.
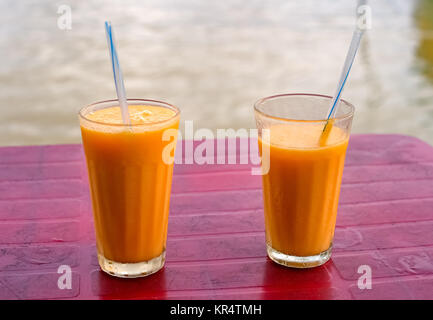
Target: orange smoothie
{"type": "Point", "coordinates": [302, 187]}
{"type": "Point", "coordinates": [129, 181]}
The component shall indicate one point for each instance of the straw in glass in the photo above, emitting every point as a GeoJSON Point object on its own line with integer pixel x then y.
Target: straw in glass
{"type": "Point", "coordinates": [117, 73]}
{"type": "Point", "coordinates": [354, 45]}
{"type": "Point", "coordinates": [350, 57]}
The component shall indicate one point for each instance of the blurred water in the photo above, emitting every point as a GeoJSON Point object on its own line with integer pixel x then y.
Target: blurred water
{"type": "Point", "coordinates": [213, 59]}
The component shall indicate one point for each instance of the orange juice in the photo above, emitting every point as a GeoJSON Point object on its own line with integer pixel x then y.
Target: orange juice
{"type": "Point", "coordinates": [302, 187]}
{"type": "Point", "coordinates": [130, 182]}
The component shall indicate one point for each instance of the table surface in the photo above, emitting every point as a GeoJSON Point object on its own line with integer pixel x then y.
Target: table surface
{"type": "Point", "coordinates": [216, 245]}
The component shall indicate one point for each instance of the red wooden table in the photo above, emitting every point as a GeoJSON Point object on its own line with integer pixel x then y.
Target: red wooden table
{"type": "Point", "coordinates": [216, 246]}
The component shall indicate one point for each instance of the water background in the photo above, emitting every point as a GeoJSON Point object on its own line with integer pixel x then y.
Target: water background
{"type": "Point", "coordinates": [213, 59]}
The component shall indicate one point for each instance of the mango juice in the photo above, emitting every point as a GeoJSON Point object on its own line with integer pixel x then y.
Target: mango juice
{"type": "Point", "coordinates": [130, 182]}
{"type": "Point", "coordinates": [302, 187]}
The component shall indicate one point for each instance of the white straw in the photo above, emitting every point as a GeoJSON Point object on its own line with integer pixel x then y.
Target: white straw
{"type": "Point", "coordinates": [117, 73]}
{"type": "Point", "coordinates": [350, 57]}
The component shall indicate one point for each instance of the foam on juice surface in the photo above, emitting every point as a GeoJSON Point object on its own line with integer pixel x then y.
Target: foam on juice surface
{"type": "Point", "coordinates": [139, 114]}
{"type": "Point", "coordinates": [305, 136]}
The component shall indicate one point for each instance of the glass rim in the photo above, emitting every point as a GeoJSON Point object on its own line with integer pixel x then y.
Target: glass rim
{"type": "Point", "coordinates": [172, 107]}
{"type": "Point", "coordinates": [262, 100]}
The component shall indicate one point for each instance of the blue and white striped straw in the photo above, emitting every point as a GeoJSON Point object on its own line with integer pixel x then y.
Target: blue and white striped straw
{"type": "Point", "coordinates": [345, 73]}
{"type": "Point", "coordinates": [350, 57]}
{"type": "Point", "coordinates": [117, 73]}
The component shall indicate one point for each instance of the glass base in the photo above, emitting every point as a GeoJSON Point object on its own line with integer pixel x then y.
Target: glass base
{"type": "Point", "coordinates": [131, 270]}
{"type": "Point", "coordinates": [299, 262]}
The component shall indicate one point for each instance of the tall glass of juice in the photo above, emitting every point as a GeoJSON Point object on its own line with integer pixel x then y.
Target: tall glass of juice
{"type": "Point", "coordinates": [305, 166]}
{"type": "Point", "coordinates": [130, 168]}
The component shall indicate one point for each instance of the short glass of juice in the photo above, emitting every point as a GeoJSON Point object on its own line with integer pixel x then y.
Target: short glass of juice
{"type": "Point", "coordinates": [305, 167]}
{"type": "Point", "coordinates": [130, 168]}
